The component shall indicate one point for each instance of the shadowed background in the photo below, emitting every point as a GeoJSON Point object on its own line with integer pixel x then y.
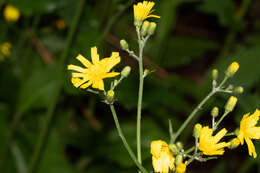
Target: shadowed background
{"type": "Point", "coordinates": [192, 38]}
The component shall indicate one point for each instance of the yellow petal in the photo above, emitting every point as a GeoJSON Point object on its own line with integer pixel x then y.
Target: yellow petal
{"type": "Point", "coordinates": [253, 132]}
{"type": "Point", "coordinates": [85, 85]}
{"type": "Point", "coordinates": [220, 135]}
{"type": "Point", "coordinates": [94, 55]}
{"type": "Point", "coordinates": [83, 60]}
{"type": "Point", "coordinates": [82, 75]}
{"type": "Point", "coordinates": [76, 68]}
{"type": "Point", "coordinates": [112, 74]}
{"type": "Point", "coordinates": [251, 147]}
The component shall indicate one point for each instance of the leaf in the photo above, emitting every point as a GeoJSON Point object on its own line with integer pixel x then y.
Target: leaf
{"type": "Point", "coordinates": [54, 159]}
{"type": "Point", "coordinates": [182, 50]}
{"type": "Point", "coordinates": [38, 90]}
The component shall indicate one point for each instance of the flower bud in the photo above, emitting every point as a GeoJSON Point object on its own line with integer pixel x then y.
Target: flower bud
{"type": "Point", "coordinates": [126, 71]}
{"type": "Point", "coordinates": [145, 27]}
{"type": "Point", "coordinates": [152, 28]}
{"type": "Point", "coordinates": [239, 90]}
{"type": "Point", "coordinates": [178, 159]}
{"type": "Point", "coordinates": [214, 74]}
{"type": "Point", "coordinates": [196, 130]}
{"type": "Point", "coordinates": [231, 103]}
{"type": "Point", "coordinates": [173, 148]}
{"type": "Point", "coordinates": [234, 143]}
{"type": "Point", "coordinates": [179, 145]}
{"type": "Point", "coordinates": [230, 87]}
{"type": "Point", "coordinates": [110, 96]}
{"type": "Point", "coordinates": [214, 112]}
{"type": "Point", "coordinates": [232, 69]}
{"type": "Point", "coordinates": [124, 44]}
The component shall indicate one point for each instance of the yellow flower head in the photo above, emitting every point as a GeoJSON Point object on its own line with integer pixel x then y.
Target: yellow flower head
{"type": "Point", "coordinates": [5, 48]}
{"type": "Point", "coordinates": [142, 11]}
{"type": "Point", "coordinates": [209, 145]}
{"type": "Point", "coordinates": [95, 72]}
{"type": "Point", "coordinates": [163, 159]}
{"type": "Point", "coordinates": [60, 24]}
{"type": "Point", "coordinates": [232, 69]}
{"type": "Point", "coordinates": [249, 131]}
{"type": "Point", "coordinates": [11, 13]}
{"type": "Point", "coordinates": [181, 168]}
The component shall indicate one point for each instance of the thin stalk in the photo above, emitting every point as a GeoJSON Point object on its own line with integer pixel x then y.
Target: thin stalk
{"type": "Point", "coordinates": [140, 96]}
{"type": "Point", "coordinates": [40, 146]}
{"type": "Point", "coordinates": [121, 135]}
{"type": "Point", "coordinates": [193, 113]}
{"type": "Point", "coordinates": [220, 120]}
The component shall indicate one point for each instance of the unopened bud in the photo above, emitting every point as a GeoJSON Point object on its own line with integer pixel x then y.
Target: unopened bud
{"type": "Point", "coordinates": [178, 159]}
{"type": "Point", "coordinates": [214, 74]}
{"type": "Point", "coordinates": [152, 28]}
{"type": "Point", "coordinates": [145, 27]}
{"type": "Point", "coordinates": [236, 132]}
{"type": "Point", "coordinates": [110, 96]}
{"type": "Point", "coordinates": [214, 112]}
{"type": "Point", "coordinates": [231, 103]}
{"type": "Point", "coordinates": [124, 45]}
{"type": "Point", "coordinates": [232, 69]}
{"type": "Point", "coordinates": [234, 143]}
{"type": "Point", "coordinates": [179, 145]}
{"type": "Point", "coordinates": [196, 130]}
{"type": "Point", "coordinates": [239, 90]}
{"type": "Point", "coordinates": [126, 71]}
{"type": "Point", "coordinates": [173, 148]}
{"type": "Point", "coordinates": [230, 87]}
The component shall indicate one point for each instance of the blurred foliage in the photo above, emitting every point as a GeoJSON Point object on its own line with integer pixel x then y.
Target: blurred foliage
{"type": "Point", "coordinates": [190, 39]}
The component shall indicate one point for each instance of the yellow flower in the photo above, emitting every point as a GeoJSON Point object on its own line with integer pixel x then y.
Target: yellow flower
{"type": "Point", "coordinates": [163, 159]}
{"type": "Point", "coordinates": [142, 11]}
{"type": "Point", "coordinates": [232, 69]}
{"type": "Point", "coordinates": [94, 73]}
{"type": "Point", "coordinates": [11, 13]}
{"type": "Point", "coordinates": [249, 131]}
{"type": "Point", "coordinates": [209, 145]}
{"type": "Point", "coordinates": [60, 24]}
{"type": "Point", "coordinates": [5, 49]}
{"type": "Point", "coordinates": [181, 168]}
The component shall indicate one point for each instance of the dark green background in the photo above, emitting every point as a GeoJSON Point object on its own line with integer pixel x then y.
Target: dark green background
{"type": "Point", "coordinates": [192, 38]}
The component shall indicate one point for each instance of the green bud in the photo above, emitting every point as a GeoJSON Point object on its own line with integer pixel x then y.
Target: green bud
{"type": "Point", "coordinates": [232, 69]}
{"type": "Point", "coordinates": [173, 148]}
{"type": "Point", "coordinates": [152, 28]}
{"type": "Point", "coordinates": [179, 145]}
{"type": "Point", "coordinates": [239, 90]}
{"type": "Point", "coordinates": [214, 112]}
{"type": "Point", "coordinates": [231, 103]}
{"type": "Point", "coordinates": [124, 44]}
{"type": "Point", "coordinates": [214, 74]}
{"type": "Point", "coordinates": [145, 27]}
{"type": "Point", "coordinates": [230, 87]}
{"type": "Point", "coordinates": [196, 130]}
{"type": "Point", "coordinates": [236, 132]}
{"type": "Point", "coordinates": [126, 71]}
{"type": "Point", "coordinates": [110, 96]}
{"type": "Point", "coordinates": [178, 159]}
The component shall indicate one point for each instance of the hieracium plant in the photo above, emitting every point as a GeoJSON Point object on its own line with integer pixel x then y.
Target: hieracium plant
{"type": "Point", "coordinates": [209, 140]}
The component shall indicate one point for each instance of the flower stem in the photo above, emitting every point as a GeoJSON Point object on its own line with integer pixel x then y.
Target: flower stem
{"type": "Point", "coordinates": [121, 135]}
{"type": "Point", "coordinates": [193, 113]}
{"type": "Point", "coordinates": [41, 143]}
{"type": "Point", "coordinates": [140, 95]}
{"type": "Point", "coordinates": [220, 120]}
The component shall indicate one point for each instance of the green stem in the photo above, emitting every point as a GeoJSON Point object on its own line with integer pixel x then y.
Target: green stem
{"type": "Point", "coordinates": [121, 135]}
{"type": "Point", "coordinates": [34, 163]}
{"type": "Point", "coordinates": [140, 95]}
{"type": "Point", "coordinates": [189, 150]}
{"type": "Point", "coordinates": [219, 121]}
{"type": "Point", "coordinates": [193, 113]}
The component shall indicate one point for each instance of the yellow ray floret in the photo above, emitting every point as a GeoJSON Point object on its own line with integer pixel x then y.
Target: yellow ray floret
{"type": "Point", "coordinates": [95, 72]}
{"type": "Point", "coordinates": [249, 131]}
{"type": "Point", "coordinates": [162, 157]}
{"type": "Point", "coordinates": [209, 145]}
{"type": "Point", "coordinates": [143, 10]}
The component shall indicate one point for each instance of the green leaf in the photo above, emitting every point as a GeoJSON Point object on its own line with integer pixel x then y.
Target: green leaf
{"type": "Point", "coordinates": [37, 91]}
{"type": "Point", "coordinates": [182, 50]}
